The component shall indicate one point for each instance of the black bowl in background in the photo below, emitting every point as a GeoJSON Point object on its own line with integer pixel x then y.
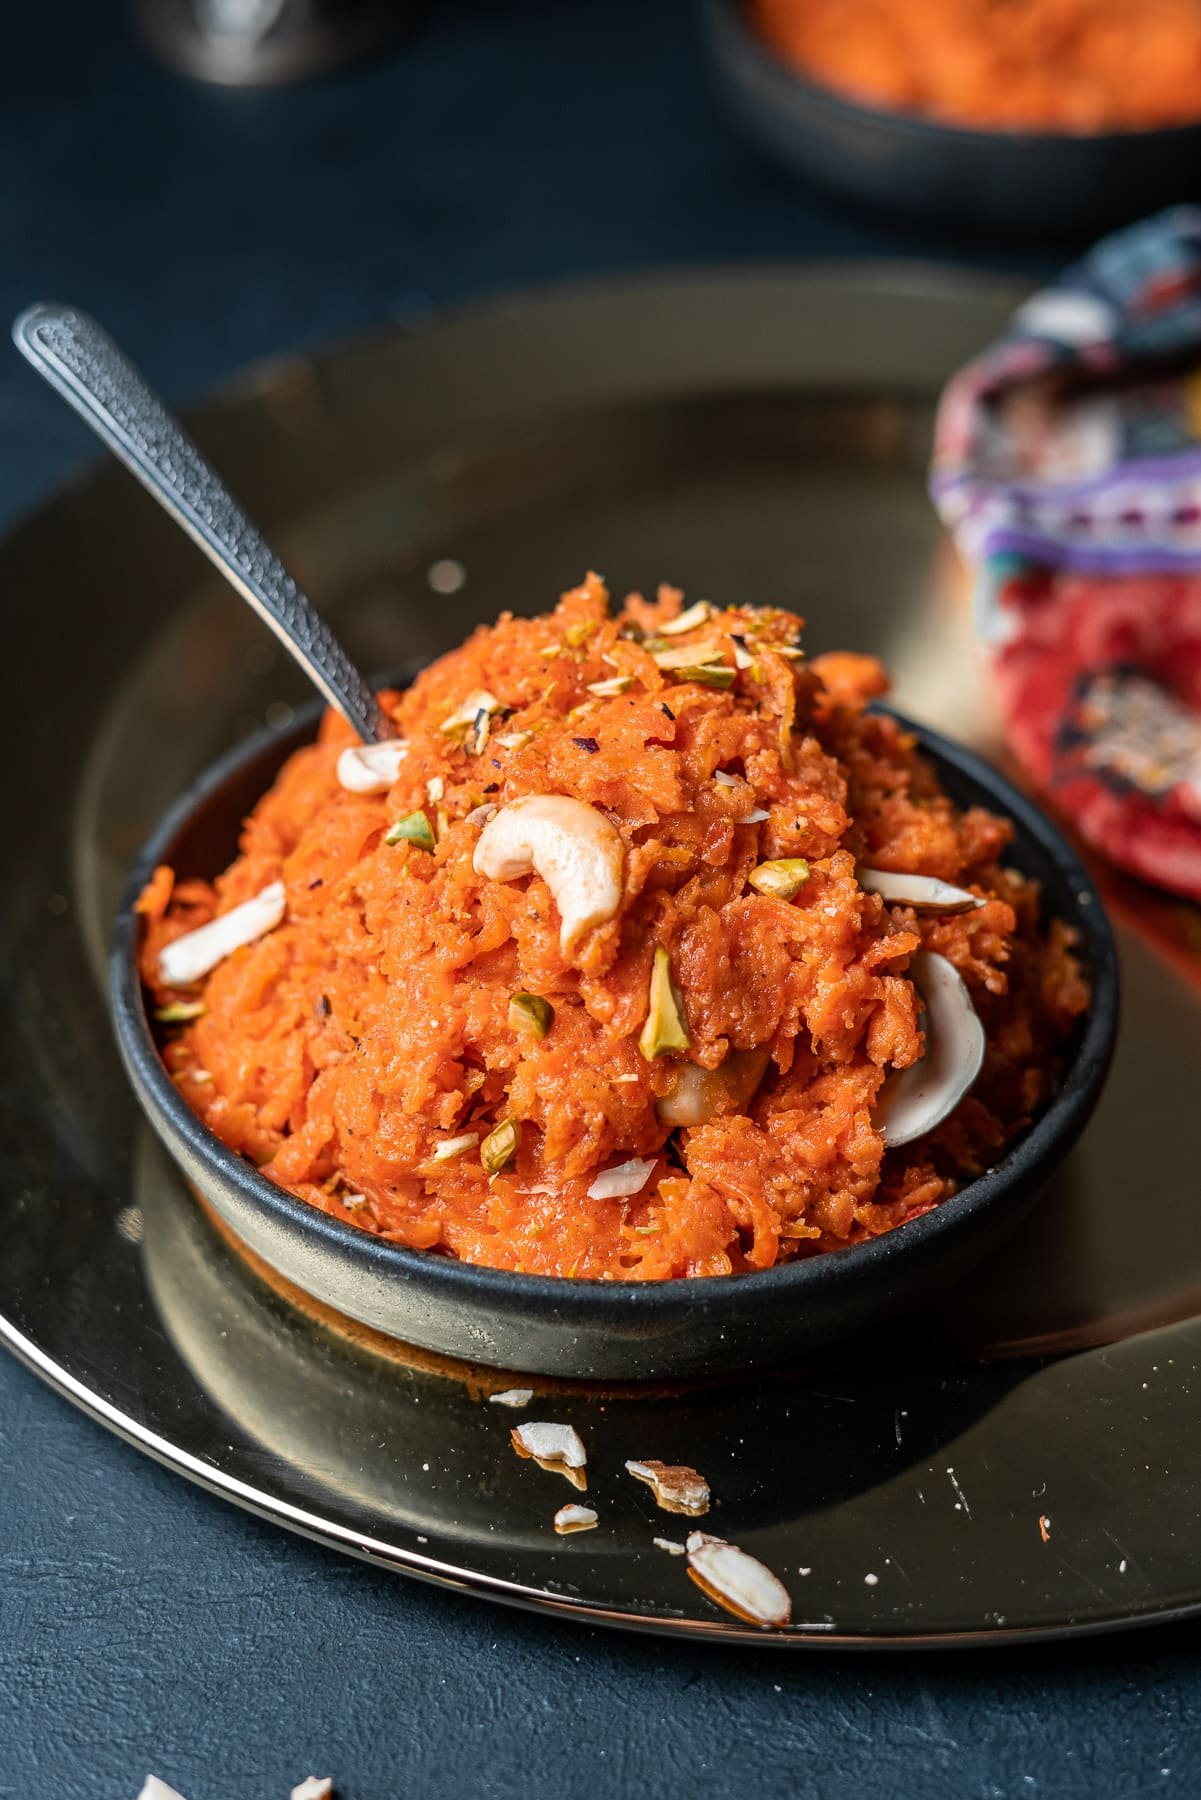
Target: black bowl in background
{"type": "Point", "coordinates": [1015, 184]}
{"type": "Point", "coordinates": [593, 1329]}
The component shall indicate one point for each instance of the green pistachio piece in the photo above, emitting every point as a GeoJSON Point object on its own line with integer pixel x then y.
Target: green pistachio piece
{"type": "Point", "coordinates": [783, 880]}
{"type": "Point", "coordinates": [530, 1012]}
{"type": "Point", "coordinates": [665, 1027]}
{"type": "Point", "coordinates": [415, 829]}
{"type": "Point", "coordinates": [500, 1146]}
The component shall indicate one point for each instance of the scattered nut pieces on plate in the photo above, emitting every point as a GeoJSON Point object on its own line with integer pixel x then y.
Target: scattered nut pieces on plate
{"type": "Point", "coordinates": [574, 1518]}
{"type": "Point", "coordinates": [557, 1448]}
{"type": "Point", "coordinates": [737, 1581]}
{"type": "Point", "coordinates": [676, 1487]}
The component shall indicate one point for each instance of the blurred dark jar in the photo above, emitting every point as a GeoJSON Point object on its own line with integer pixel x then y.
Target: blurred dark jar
{"type": "Point", "coordinates": [248, 43]}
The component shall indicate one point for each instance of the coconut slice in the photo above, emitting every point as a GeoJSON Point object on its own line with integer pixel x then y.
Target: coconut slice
{"type": "Point", "coordinates": [154, 1789]}
{"type": "Point", "coordinates": [313, 1787]}
{"type": "Point", "coordinates": [371, 768]}
{"type": "Point", "coordinates": [622, 1179]}
{"type": "Point", "coordinates": [194, 955]}
{"type": "Point", "coordinates": [512, 1397]}
{"type": "Point", "coordinates": [913, 1101]}
{"type": "Point", "coordinates": [743, 1585]}
{"type": "Point", "coordinates": [921, 891]}
{"type": "Point", "coordinates": [676, 1487]}
{"type": "Point", "coordinates": [574, 1518]}
{"type": "Point", "coordinates": [670, 1545]}
{"type": "Point", "coordinates": [556, 1448]}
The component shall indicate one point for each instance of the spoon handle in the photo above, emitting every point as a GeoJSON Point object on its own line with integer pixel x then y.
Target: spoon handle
{"type": "Point", "coordinates": [81, 361]}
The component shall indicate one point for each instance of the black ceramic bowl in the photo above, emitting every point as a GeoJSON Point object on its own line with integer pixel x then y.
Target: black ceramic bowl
{"type": "Point", "coordinates": [593, 1329]}
{"type": "Point", "coordinates": [1007, 183]}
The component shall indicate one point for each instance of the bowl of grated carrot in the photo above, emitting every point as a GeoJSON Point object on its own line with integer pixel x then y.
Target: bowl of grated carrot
{"type": "Point", "coordinates": [654, 1002]}
{"type": "Point", "coordinates": [1033, 118]}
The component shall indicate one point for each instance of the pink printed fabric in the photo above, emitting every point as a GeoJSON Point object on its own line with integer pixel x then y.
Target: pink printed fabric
{"type": "Point", "coordinates": [1067, 464]}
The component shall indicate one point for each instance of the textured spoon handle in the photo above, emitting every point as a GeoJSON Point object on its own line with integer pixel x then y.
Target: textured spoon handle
{"type": "Point", "coordinates": [79, 359]}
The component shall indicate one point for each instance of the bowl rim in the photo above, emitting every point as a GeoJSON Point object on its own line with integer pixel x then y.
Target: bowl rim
{"type": "Point", "coordinates": [1049, 1136]}
{"type": "Point", "coordinates": [732, 36]}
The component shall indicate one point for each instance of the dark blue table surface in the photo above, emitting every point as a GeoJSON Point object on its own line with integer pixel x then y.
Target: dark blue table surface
{"type": "Point", "coordinates": [144, 1625]}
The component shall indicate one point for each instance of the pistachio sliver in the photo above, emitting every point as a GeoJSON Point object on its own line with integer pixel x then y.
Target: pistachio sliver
{"type": "Point", "coordinates": [684, 656]}
{"type": "Point", "coordinates": [460, 722]}
{"type": "Point", "coordinates": [699, 614]}
{"type": "Point", "coordinates": [713, 674]}
{"type": "Point", "coordinates": [616, 684]}
{"type": "Point", "coordinates": [531, 1013]}
{"type": "Point", "coordinates": [500, 1146]}
{"type": "Point", "coordinates": [782, 879]}
{"type": "Point", "coordinates": [415, 828]}
{"type": "Point", "coordinates": [179, 1012]}
{"type": "Point", "coordinates": [665, 1027]}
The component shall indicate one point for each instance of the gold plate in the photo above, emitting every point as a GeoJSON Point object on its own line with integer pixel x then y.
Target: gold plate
{"type": "Point", "coordinates": [1026, 1461]}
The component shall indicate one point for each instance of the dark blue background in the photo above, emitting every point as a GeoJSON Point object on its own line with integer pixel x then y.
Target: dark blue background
{"type": "Point", "coordinates": [144, 1625]}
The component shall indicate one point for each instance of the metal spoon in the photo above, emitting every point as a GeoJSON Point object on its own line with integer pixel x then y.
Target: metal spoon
{"type": "Point", "coordinates": [81, 361]}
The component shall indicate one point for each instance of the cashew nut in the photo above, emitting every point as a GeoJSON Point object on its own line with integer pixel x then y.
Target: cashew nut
{"type": "Point", "coordinates": [574, 848]}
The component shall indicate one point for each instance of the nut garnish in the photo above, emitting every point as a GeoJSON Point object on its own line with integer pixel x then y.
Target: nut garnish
{"type": "Point", "coordinates": [179, 1012]}
{"type": "Point", "coordinates": [913, 1101]}
{"type": "Point", "coordinates": [414, 829]}
{"type": "Point", "coordinates": [711, 674]}
{"type": "Point", "coordinates": [743, 1585]}
{"type": "Point", "coordinates": [314, 1787]}
{"type": "Point", "coordinates": [697, 1093]}
{"type": "Point", "coordinates": [576, 850]}
{"type": "Point", "coordinates": [154, 1789]}
{"type": "Point", "coordinates": [782, 879]}
{"type": "Point", "coordinates": [574, 1518]}
{"type": "Point", "coordinates": [556, 1448]}
{"type": "Point", "coordinates": [500, 1146]}
{"type": "Point", "coordinates": [465, 717]}
{"type": "Point", "coordinates": [191, 957]}
{"type": "Point", "coordinates": [670, 1545]}
{"type": "Point", "coordinates": [514, 1397]}
{"type": "Point", "coordinates": [921, 891]}
{"type": "Point", "coordinates": [676, 1487]}
{"type": "Point", "coordinates": [531, 1013]}
{"type": "Point", "coordinates": [687, 656]}
{"type": "Point", "coordinates": [622, 1179]}
{"type": "Point", "coordinates": [446, 1149]}
{"type": "Point", "coordinates": [371, 768]}
{"type": "Point", "coordinates": [665, 1028]}
{"type": "Point", "coordinates": [698, 614]}
{"type": "Point", "coordinates": [607, 690]}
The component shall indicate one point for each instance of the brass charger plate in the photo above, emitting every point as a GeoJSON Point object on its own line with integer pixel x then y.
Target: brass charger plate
{"type": "Point", "coordinates": [1023, 1461]}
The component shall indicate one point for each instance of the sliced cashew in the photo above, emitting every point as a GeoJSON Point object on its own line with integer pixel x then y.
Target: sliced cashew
{"type": "Point", "coordinates": [191, 957]}
{"type": "Point", "coordinates": [698, 1092]}
{"type": "Point", "coordinates": [574, 848]}
{"type": "Point", "coordinates": [913, 1101]}
{"type": "Point", "coordinates": [924, 892]}
{"type": "Point", "coordinates": [371, 768]}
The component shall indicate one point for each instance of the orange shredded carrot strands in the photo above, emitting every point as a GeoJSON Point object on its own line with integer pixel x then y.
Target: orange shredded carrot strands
{"type": "Point", "coordinates": [373, 1025]}
{"type": "Point", "coordinates": [1052, 65]}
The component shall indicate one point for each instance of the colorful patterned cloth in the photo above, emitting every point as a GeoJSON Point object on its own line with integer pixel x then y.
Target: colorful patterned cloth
{"type": "Point", "coordinates": [1068, 465]}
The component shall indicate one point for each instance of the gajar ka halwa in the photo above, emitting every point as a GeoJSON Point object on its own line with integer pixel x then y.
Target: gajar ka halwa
{"type": "Point", "coordinates": [608, 966]}
{"type": "Point", "coordinates": [1019, 65]}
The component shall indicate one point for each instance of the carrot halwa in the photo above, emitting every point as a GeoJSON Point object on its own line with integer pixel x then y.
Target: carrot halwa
{"type": "Point", "coordinates": [1026, 65]}
{"type": "Point", "coordinates": [429, 1052]}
